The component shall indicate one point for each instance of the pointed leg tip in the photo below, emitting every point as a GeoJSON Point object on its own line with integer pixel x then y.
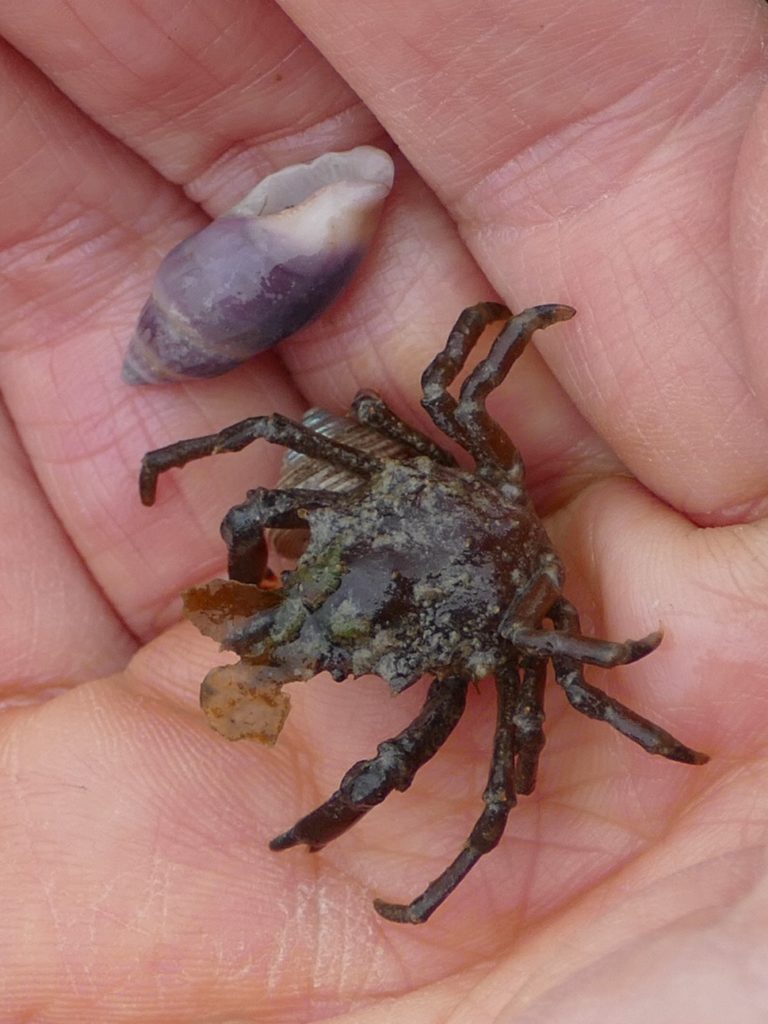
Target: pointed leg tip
{"type": "Point", "coordinates": [147, 486]}
{"type": "Point", "coordinates": [645, 645]}
{"type": "Point", "coordinates": [284, 841]}
{"type": "Point", "coordinates": [674, 750]}
{"type": "Point", "coordinates": [399, 913]}
{"type": "Point", "coordinates": [688, 756]}
{"type": "Point", "coordinates": [564, 312]}
{"type": "Point", "coordinates": [545, 314]}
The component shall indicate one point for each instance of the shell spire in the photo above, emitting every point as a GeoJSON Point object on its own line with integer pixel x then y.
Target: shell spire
{"type": "Point", "coordinates": [258, 273]}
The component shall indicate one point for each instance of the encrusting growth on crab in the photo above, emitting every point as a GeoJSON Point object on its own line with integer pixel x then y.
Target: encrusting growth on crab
{"type": "Point", "coordinates": [411, 566]}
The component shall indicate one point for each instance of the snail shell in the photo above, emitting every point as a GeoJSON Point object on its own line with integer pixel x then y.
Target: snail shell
{"type": "Point", "coordinates": [262, 270]}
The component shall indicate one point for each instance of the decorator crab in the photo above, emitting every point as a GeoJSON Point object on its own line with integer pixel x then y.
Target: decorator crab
{"type": "Point", "coordinates": [412, 566]}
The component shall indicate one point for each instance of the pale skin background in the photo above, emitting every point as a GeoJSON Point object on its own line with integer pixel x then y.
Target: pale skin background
{"type": "Point", "coordinates": [612, 155]}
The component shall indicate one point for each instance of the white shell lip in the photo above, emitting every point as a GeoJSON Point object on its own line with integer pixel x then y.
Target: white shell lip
{"type": "Point", "coordinates": [262, 270]}
{"type": "Point", "coordinates": [291, 186]}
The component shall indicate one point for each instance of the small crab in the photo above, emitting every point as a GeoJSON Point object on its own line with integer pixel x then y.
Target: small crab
{"type": "Point", "coordinates": [412, 566]}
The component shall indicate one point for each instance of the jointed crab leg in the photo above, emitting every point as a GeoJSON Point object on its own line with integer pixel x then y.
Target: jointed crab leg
{"type": "Point", "coordinates": [481, 435]}
{"type": "Point", "coordinates": [448, 363]}
{"type": "Point", "coordinates": [397, 760]}
{"type": "Point", "coordinates": [371, 410]}
{"type": "Point", "coordinates": [535, 602]}
{"type": "Point", "coordinates": [467, 421]}
{"type": "Point", "coordinates": [276, 429]}
{"type": "Point", "coordinates": [499, 798]}
{"type": "Point", "coordinates": [594, 703]}
{"type": "Point", "coordinates": [243, 526]}
{"type": "Point", "coordinates": [606, 653]}
{"type": "Point", "coordinates": [529, 723]}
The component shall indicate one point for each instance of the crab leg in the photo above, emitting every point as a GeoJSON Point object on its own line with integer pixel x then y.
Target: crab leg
{"type": "Point", "coordinates": [483, 437]}
{"type": "Point", "coordinates": [244, 524]}
{"type": "Point", "coordinates": [534, 604]}
{"type": "Point", "coordinates": [548, 643]}
{"type": "Point", "coordinates": [594, 703]}
{"type": "Point", "coordinates": [448, 363]}
{"type": "Point", "coordinates": [529, 723]}
{"type": "Point", "coordinates": [468, 421]}
{"type": "Point", "coordinates": [499, 798]}
{"type": "Point", "coordinates": [397, 760]}
{"type": "Point", "coordinates": [371, 410]}
{"type": "Point", "coordinates": [276, 429]}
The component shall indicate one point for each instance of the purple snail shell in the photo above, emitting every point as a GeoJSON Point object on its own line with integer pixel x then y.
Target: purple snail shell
{"type": "Point", "coordinates": [262, 270]}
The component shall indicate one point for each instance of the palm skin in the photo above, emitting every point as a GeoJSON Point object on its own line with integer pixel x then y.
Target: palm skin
{"type": "Point", "coordinates": [611, 157]}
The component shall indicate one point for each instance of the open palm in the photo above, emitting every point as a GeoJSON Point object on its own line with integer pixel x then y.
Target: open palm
{"type": "Point", "coordinates": [611, 156]}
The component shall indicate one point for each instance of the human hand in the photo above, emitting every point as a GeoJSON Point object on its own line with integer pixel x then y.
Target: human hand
{"type": "Point", "coordinates": [612, 159]}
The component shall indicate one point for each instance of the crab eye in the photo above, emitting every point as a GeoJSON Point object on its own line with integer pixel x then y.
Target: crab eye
{"type": "Point", "coordinates": [262, 270]}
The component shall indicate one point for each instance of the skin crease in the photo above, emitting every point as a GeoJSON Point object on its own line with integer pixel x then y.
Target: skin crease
{"type": "Point", "coordinates": [613, 158]}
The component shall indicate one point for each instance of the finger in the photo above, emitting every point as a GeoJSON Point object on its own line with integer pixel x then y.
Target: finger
{"type": "Point", "coordinates": [633, 565]}
{"type": "Point", "coordinates": [124, 834]}
{"type": "Point", "coordinates": [606, 187]}
{"type": "Point", "coordinates": [212, 98]}
{"type": "Point", "coordinates": [56, 628]}
{"type": "Point", "coordinates": [421, 279]}
{"type": "Point", "coordinates": [82, 219]}
{"type": "Point", "coordinates": [750, 227]}
{"type": "Point", "coordinates": [143, 559]}
{"type": "Point", "coordinates": [288, 100]}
